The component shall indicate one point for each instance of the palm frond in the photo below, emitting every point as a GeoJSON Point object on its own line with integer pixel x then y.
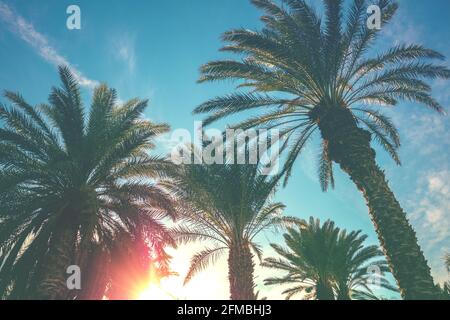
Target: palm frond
{"type": "Point", "coordinates": [202, 260]}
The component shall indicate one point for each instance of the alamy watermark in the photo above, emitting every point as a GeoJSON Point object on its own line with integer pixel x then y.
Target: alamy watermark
{"type": "Point", "coordinates": [374, 20]}
{"type": "Point", "coordinates": [375, 276]}
{"type": "Point", "coordinates": [73, 21]}
{"type": "Point", "coordinates": [73, 282]}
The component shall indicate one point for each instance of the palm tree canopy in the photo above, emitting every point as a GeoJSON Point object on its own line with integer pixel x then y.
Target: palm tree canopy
{"type": "Point", "coordinates": [354, 264]}
{"type": "Point", "coordinates": [64, 168]}
{"type": "Point", "coordinates": [226, 204]}
{"type": "Point", "coordinates": [299, 67]}
{"type": "Point", "coordinates": [322, 253]}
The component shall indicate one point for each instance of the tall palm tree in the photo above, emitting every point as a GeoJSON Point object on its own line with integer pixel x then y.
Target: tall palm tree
{"type": "Point", "coordinates": [325, 262]}
{"type": "Point", "coordinates": [228, 205]}
{"type": "Point", "coordinates": [317, 76]}
{"type": "Point", "coordinates": [70, 181]}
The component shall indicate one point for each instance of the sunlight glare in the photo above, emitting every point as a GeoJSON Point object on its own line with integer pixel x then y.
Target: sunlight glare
{"type": "Point", "coordinates": [154, 292]}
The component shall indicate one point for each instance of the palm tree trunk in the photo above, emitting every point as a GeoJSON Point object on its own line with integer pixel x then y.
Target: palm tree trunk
{"type": "Point", "coordinates": [349, 146]}
{"type": "Point", "coordinates": [52, 283]}
{"type": "Point", "coordinates": [95, 283]}
{"type": "Point", "coordinates": [240, 273]}
{"type": "Point", "coordinates": [343, 293]}
{"type": "Point", "coordinates": [324, 291]}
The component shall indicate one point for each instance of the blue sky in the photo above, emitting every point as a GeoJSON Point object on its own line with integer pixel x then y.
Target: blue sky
{"type": "Point", "coordinates": [153, 49]}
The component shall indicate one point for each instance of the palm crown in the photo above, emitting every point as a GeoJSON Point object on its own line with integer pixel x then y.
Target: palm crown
{"type": "Point", "coordinates": [319, 65]}
{"type": "Point", "coordinates": [69, 182]}
{"type": "Point", "coordinates": [228, 205]}
{"type": "Point", "coordinates": [325, 262]}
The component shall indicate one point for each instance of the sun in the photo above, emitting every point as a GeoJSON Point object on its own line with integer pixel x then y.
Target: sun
{"type": "Point", "coordinates": [156, 288]}
{"type": "Point", "coordinates": [155, 292]}
{"type": "Point", "coordinates": [169, 288]}
{"type": "Point", "coordinates": [212, 283]}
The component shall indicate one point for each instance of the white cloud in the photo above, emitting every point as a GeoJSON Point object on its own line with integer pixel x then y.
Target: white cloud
{"type": "Point", "coordinates": [431, 218]}
{"type": "Point", "coordinates": [425, 133]}
{"type": "Point", "coordinates": [402, 29]}
{"type": "Point", "coordinates": [124, 50]}
{"type": "Point", "coordinates": [26, 31]}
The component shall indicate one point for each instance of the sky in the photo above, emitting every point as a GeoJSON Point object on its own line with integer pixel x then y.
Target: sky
{"type": "Point", "coordinates": [153, 49]}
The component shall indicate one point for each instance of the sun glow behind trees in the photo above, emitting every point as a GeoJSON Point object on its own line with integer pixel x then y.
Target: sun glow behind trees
{"type": "Point", "coordinates": [210, 284]}
{"type": "Point", "coordinates": [155, 292]}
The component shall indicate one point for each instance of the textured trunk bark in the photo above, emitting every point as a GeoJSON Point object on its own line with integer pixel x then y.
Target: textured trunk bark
{"type": "Point", "coordinates": [324, 291]}
{"type": "Point", "coordinates": [240, 273]}
{"type": "Point", "coordinates": [94, 284]}
{"type": "Point", "coordinates": [343, 294]}
{"type": "Point", "coordinates": [349, 146]}
{"type": "Point", "coordinates": [52, 283]}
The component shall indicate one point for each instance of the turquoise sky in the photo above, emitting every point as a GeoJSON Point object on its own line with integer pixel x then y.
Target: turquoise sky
{"type": "Point", "coordinates": [153, 49]}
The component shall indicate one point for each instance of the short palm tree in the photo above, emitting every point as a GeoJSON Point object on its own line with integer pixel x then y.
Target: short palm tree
{"type": "Point", "coordinates": [229, 205]}
{"type": "Point", "coordinates": [309, 76]}
{"type": "Point", "coordinates": [307, 261]}
{"type": "Point", "coordinates": [326, 263]}
{"type": "Point", "coordinates": [444, 289]}
{"type": "Point", "coordinates": [357, 267]}
{"type": "Point", "coordinates": [70, 181]}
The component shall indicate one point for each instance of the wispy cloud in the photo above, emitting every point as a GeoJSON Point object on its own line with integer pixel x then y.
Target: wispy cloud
{"type": "Point", "coordinates": [402, 29]}
{"type": "Point", "coordinates": [26, 31]}
{"type": "Point", "coordinates": [124, 50]}
{"type": "Point", "coordinates": [426, 134]}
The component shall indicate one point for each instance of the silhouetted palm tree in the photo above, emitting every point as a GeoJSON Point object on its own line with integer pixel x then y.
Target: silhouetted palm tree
{"type": "Point", "coordinates": [228, 205]}
{"type": "Point", "coordinates": [311, 75]}
{"type": "Point", "coordinates": [357, 267]}
{"type": "Point", "coordinates": [325, 263]}
{"type": "Point", "coordinates": [444, 289]}
{"type": "Point", "coordinates": [70, 181]}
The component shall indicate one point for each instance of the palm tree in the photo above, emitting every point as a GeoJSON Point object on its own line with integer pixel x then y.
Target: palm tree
{"type": "Point", "coordinates": [444, 289]}
{"type": "Point", "coordinates": [313, 76]}
{"type": "Point", "coordinates": [228, 205]}
{"type": "Point", "coordinates": [70, 182]}
{"type": "Point", "coordinates": [307, 260]}
{"type": "Point", "coordinates": [357, 266]}
{"type": "Point", "coordinates": [325, 262]}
